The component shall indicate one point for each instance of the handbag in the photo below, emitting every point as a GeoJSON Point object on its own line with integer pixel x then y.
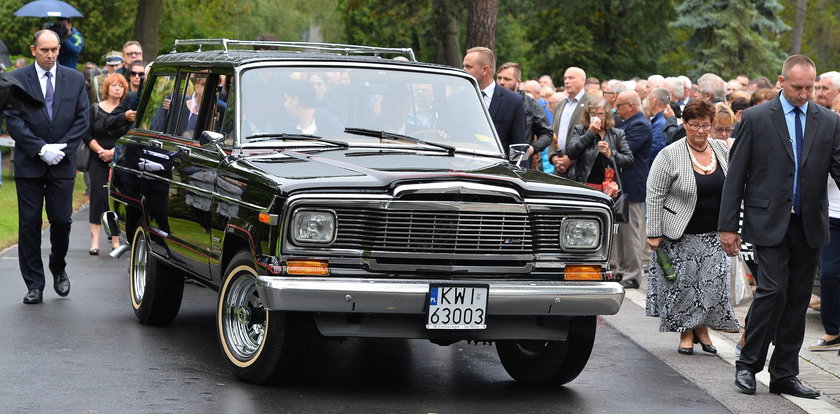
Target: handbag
{"type": "Point", "coordinates": [621, 207]}
{"type": "Point", "coordinates": [83, 157]}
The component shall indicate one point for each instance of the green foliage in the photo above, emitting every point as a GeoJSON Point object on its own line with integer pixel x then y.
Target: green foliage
{"type": "Point", "coordinates": [607, 38]}
{"type": "Point", "coordinates": [729, 37]}
{"type": "Point", "coordinates": [391, 23]}
{"type": "Point", "coordinates": [106, 26]}
{"type": "Point", "coordinates": [103, 28]}
{"type": "Point", "coordinates": [821, 39]}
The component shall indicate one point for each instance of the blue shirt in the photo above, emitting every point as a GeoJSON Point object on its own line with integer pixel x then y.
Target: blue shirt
{"type": "Point", "coordinates": [787, 107]}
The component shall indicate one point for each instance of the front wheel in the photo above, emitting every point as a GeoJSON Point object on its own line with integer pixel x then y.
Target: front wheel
{"type": "Point", "coordinates": [260, 345]}
{"type": "Point", "coordinates": [537, 362]}
{"type": "Point", "coordinates": [156, 289]}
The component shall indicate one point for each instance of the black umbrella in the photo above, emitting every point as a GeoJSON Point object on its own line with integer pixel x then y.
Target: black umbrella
{"type": "Point", "coordinates": [47, 8]}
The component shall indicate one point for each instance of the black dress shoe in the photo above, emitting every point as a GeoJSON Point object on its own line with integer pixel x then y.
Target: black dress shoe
{"type": "Point", "coordinates": [795, 388]}
{"type": "Point", "coordinates": [685, 351]}
{"type": "Point", "coordinates": [33, 296]}
{"type": "Point", "coordinates": [706, 348]}
{"type": "Point", "coordinates": [745, 381]}
{"type": "Point", "coordinates": [62, 283]}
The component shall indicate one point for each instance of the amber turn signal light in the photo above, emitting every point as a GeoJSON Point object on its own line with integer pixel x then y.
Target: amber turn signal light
{"type": "Point", "coordinates": [307, 267]}
{"type": "Point", "coordinates": [580, 272]}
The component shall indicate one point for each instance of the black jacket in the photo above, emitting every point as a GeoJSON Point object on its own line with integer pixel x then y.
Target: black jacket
{"type": "Point", "coordinates": [583, 149]}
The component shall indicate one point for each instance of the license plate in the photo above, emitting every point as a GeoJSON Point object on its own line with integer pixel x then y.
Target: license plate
{"type": "Point", "coordinates": [457, 307]}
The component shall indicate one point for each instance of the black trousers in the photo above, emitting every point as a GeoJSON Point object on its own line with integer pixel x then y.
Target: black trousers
{"type": "Point", "coordinates": [785, 278]}
{"type": "Point", "coordinates": [33, 195]}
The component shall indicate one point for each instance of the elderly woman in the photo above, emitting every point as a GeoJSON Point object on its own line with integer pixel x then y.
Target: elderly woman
{"type": "Point", "coordinates": [108, 122]}
{"type": "Point", "coordinates": [683, 201]}
{"type": "Point", "coordinates": [596, 144]}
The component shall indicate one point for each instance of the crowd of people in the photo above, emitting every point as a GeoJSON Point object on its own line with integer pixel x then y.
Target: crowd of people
{"type": "Point", "coordinates": [698, 165]}
{"type": "Point", "coordinates": [701, 165]}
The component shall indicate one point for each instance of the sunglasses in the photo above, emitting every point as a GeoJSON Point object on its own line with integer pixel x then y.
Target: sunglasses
{"type": "Point", "coordinates": [140, 74]}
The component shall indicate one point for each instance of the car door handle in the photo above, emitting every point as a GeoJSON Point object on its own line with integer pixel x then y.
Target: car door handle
{"type": "Point", "coordinates": [184, 151]}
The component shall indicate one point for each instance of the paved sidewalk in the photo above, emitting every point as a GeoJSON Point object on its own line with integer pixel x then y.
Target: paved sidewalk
{"type": "Point", "coordinates": [818, 369]}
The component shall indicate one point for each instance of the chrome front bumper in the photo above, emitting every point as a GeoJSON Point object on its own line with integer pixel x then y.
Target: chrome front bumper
{"type": "Point", "coordinates": [409, 296]}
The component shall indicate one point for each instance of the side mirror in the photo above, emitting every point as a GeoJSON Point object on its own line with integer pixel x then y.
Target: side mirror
{"type": "Point", "coordinates": [211, 137]}
{"type": "Point", "coordinates": [517, 153]}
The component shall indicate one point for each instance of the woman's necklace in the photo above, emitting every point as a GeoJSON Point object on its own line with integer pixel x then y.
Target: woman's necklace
{"type": "Point", "coordinates": [705, 168]}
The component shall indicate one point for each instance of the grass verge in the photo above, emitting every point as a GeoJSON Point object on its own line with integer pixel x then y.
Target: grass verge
{"type": "Point", "coordinates": [9, 208]}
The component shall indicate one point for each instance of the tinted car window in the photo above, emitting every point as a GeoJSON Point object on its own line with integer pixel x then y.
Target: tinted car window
{"type": "Point", "coordinates": [154, 115]}
{"type": "Point", "coordinates": [324, 101]}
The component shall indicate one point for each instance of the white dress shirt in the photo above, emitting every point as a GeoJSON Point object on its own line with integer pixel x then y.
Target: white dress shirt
{"type": "Point", "coordinates": [43, 79]}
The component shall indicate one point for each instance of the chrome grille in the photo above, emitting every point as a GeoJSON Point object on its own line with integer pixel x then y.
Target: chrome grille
{"type": "Point", "coordinates": [450, 232]}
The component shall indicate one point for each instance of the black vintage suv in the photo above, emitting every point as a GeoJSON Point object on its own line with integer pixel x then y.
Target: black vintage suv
{"type": "Point", "coordinates": [332, 191]}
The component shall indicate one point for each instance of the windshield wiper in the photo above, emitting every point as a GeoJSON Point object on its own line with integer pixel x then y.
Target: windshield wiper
{"type": "Point", "coordinates": [267, 136]}
{"type": "Point", "coordinates": [395, 137]}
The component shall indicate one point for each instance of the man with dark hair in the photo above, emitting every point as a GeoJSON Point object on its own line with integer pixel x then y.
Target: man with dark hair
{"type": "Point", "coordinates": [132, 51]}
{"type": "Point", "coordinates": [45, 161]}
{"type": "Point", "coordinates": [71, 46]}
{"type": "Point", "coordinates": [782, 155]}
{"type": "Point", "coordinates": [537, 130]}
{"type": "Point", "coordinates": [505, 107]}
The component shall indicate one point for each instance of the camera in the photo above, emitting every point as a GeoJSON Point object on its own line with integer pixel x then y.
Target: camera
{"type": "Point", "coordinates": [60, 29]}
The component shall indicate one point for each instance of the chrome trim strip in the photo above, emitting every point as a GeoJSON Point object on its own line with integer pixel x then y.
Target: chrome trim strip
{"type": "Point", "coordinates": [457, 187]}
{"type": "Point", "coordinates": [409, 296]}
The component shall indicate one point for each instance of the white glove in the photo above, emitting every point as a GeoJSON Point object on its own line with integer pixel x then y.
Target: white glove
{"type": "Point", "coordinates": [52, 154]}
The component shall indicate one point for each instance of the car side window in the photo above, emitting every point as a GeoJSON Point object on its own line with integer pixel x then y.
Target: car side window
{"type": "Point", "coordinates": [185, 106]}
{"type": "Point", "coordinates": [155, 112]}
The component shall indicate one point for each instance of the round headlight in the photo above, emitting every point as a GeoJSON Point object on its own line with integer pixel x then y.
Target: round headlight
{"type": "Point", "coordinates": [580, 233]}
{"type": "Point", "coordinates": [313, 226]}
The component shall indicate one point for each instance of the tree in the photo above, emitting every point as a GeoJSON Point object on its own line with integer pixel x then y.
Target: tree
{"type": "Point", "coordinates": [820, 33]}
{"type": "Point", "coordinates": [729, 37]}
{"type": "Point", "coordinates": [481, 23]}
{"type": "Point", "coordinates": [607, 38]}
{"type": "Point", "coordinates": [147, 26]}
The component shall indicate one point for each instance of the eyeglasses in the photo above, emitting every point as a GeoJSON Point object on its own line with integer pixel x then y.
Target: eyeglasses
{"type": "Point", "coordinates": [140, 74]}
{"type": "Point", "coordinates": [597, 114]}
{"type": "Point", "coordinates": [697, 127]}
{"type": "Point", "coordinates": [618, 105]}
{"type": "Point", "coordinates": [607, 93]}
{"type": "Point", "coordinates": [133, 53]}
{"type": "Point", "coordinates": [723, 129]}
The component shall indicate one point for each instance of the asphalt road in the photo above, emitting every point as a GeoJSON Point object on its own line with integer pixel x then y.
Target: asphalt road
{"type": "Point", "coordinates": [87, 354]}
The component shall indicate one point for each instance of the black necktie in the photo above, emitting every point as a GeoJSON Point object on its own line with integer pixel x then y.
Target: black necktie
{"type": "Point", "coordinates": [797, 125]}
{"type": "Point", "coordinates": [49, 94]}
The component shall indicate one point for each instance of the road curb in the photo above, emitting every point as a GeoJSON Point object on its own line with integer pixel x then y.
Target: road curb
{"type": "Point", "coordinates": [726, 352]}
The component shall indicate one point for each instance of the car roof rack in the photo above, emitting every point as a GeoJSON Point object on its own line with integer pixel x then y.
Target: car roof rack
{"type": "Point", "coordinates": [228, 44]}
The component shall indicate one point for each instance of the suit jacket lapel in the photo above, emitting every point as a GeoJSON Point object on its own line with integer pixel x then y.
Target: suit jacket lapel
{"type": "Point", "coordinates": [811, 127]}
{"type": "Point", "coordinates": [777, 115]}
{"type": "Point", "coordinates": [60, 86]}
{"type": "Point", "coordinates": [496, 102]}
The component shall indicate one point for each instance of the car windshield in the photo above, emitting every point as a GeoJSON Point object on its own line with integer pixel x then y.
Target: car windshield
{"type": "Point", "coordinates": [352, 105]}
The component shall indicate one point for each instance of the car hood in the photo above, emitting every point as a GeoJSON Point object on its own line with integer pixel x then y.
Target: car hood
{"type": "Point", "coordinates": [382, 168]}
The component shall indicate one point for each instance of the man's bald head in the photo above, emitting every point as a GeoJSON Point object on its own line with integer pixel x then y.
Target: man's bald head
{"type": "Point", "coordinates": [628, 104]}
{"type": "Point", "coordinates": [573, 80]}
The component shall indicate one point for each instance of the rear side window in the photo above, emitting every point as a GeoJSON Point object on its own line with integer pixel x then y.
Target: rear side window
{"type": "Point", "coordinates": [156, 110]}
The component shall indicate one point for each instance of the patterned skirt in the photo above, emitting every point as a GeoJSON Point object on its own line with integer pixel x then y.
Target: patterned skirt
{"type": "Point", "coordinates": [700, 295]}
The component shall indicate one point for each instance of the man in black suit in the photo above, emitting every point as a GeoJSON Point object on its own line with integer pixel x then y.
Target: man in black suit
{"type": "Point", "coordinates": [782, 154]}
{"type": "Point", "coordinates": [505, 107]}
{"type": "Point", "coordinates": [45, 161]}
